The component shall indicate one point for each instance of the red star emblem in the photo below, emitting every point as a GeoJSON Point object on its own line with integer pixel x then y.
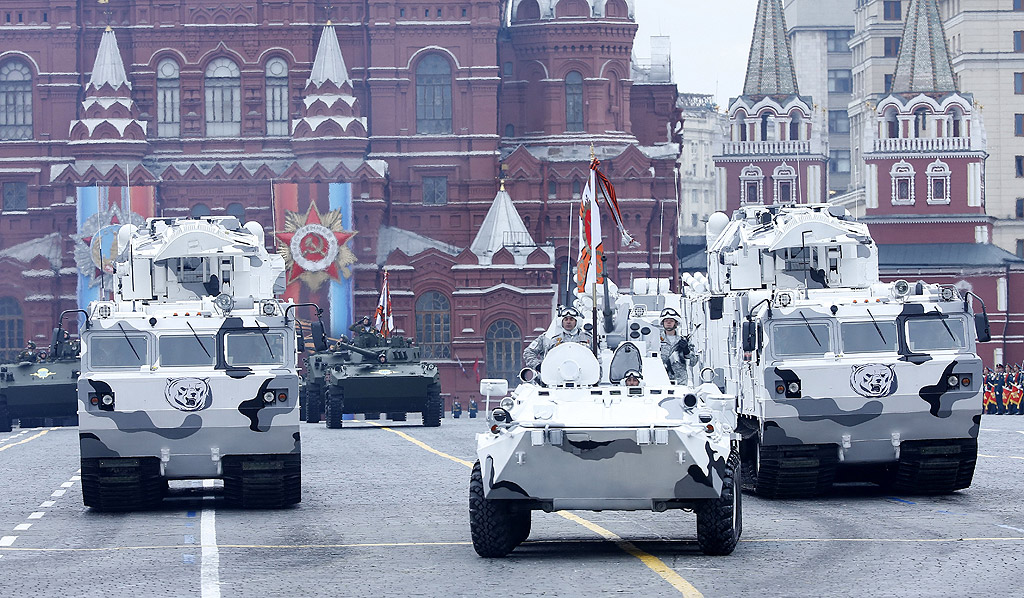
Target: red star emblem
{"type": "Point", "coordinates": [313, 245]}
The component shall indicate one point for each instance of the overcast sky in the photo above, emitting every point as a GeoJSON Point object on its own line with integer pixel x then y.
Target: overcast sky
{"type": "Point", "coordinates": [710, 42]}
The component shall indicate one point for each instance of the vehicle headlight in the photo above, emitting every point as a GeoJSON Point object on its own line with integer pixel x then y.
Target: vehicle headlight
{"type": "Point", "coordinates": [947, 293]}
{"type": "Point", "coordinates": [794, 387]}
{"type": "Point", "coordinates": [224, 302]}
{"type": "Point", "coordinates": [107, 400]}
{"type": "Point", "coordinates": [268, 397]}
{"type": "Point", "coordinates": [507, 403]}
{"type": "Point", "coordinates": [104, 310]}
{"type": "Point", "coordinates": [269, 308]}
{"type": "Point", "coordinates": [900, 288]}
{"type": "Point", "coordinates": [784, 299]}
{"type": "Point", "coordinates": [953, 380]}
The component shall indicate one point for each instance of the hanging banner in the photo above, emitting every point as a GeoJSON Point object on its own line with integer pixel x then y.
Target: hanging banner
{"type": "Point", "coordinates": [314, 223]}
{"type": "Point", "coordinates": [100, 213]}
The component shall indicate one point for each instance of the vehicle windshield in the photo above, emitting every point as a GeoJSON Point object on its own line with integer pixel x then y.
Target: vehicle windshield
{"type": "Point", "coordinates": [932, 334]}
{"type": "Point", "coordinates": [254, 348]}
{"type": "Point", "coordinates": [869, 337]}
{"type": "Point", "coordinates": [805, 338]}
{"type": "Point", "coordinates": [197, 350]}
{"type": "Point", "coordinates": [128, 350]}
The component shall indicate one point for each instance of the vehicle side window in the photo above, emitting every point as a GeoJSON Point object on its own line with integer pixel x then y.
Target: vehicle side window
{"type": "Point", "coordinates": [119, 351]}
{"type": "Point", "coordinates": [189, 350]}
{"type": "Point", "coordinates": [804, 339]}
{"type": "Point", "coordinates": [935, 334]}
{"type": "Point", "coordinates": [254, 348]}
{"type": "Point", "coordinates": [869, 337]}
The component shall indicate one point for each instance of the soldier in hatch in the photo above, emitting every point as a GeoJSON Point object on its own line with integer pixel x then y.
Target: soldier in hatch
{"type": "Point", "coordinates": [675, 349]}
{"type": "Point", "coordinates": [364, 334]}
{"type": "Point", "coordinates": [571, 332]}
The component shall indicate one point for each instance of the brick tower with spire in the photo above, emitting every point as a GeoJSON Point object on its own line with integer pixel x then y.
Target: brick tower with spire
{"type": "Point", "coordinates": [775, 152]}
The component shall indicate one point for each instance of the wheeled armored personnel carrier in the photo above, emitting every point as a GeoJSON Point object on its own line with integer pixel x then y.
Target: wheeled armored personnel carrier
{"type": "Point", "coordinates": [838, 375]}
{"type": "Point", "coordinates": [575, 437]}
{"type": "Point", "coordinates": [42, 386]}
{"type": "Point", "coordinates": [189, 371]}
{"type": "Point", "coordinates": [372, 375]}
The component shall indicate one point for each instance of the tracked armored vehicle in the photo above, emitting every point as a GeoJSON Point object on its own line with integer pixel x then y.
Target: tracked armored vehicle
{"type": "Point", "coordinates": [189, 371]}
{"type": "Point", "coordinates": [372, 375]}
{"type": "Point", "coordinates": [41, 388]}
{"type": "Point", "coordinates": [575, 437]}
{"type": "Point", "coordinates": [838, 375]}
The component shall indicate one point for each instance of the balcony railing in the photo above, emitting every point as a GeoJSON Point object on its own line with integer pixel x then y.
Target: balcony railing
{"type": "Point", "coordinates": [923, 144]}
{"type": "Point", "coordinates": [767, 147]}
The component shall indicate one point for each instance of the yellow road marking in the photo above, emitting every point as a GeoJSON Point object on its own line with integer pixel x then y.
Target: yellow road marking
{"type": "Point", "coordinates": [422, 445]}
{"type": "Point", "coordinates": [30, 438]}
{"type": "Point", "coordinates": [1001, 457]}
{"type": "Point", "coordinates": [652, 562]}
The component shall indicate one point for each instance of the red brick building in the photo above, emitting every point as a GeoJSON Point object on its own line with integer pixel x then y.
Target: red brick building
{"type": "Point", "coordinates": [409, 113]}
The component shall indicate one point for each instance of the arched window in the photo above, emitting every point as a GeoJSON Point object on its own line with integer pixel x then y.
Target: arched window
{"type": "Point", "coordinates": [504, 350]}
{"type": "Point", "coordinates": [12, 329]}
{"type": "Point", "coordinates": [938, 182]}
{"type": "Point", "coordinates": [552, 188]}
{"type": "Point", "coordinates": [902, 175]}
{"type": "Point", "coordinates": [15, 100]}
{"type": "Point", "coordinates": [277, 97]}
{"type": "Point", "coordinates": [616, 9]}
{"type": "Point", "coordinates": [921, 122]}
{"type": "Point", "coordinates": [766, 128]}
{"type": "Point", "coordinates": [237, 210]}
{"type": "Point", "coordinates": [223, 99]}
{"type": "Point", "coordinates": [198, 210]}
{"type": "Point", "coordinates": [784, 178]}
{"type": "Point", "coordinates": [433, 96]}
{"type": "Point", "coordinates": [528, 10]}
{"type": "Point", "coordinates": [168, 98]}
{"type": "Point", "coordinates": [510, 130]}
{"type": "Point", "coordinates": [794, 126]}
{"type": "Point", "coordinates": [752, 182]}
{"type": "Point", "coordinates": [573, 101]}
{"type": "Point", "coordinates": [433, 325]}
{"type": "Point", "coordinates": [576, 188]}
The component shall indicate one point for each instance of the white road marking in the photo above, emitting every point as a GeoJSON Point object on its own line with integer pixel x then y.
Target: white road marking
{"type": "Point", "coordinates": [37, 515]}
{"type": "Point", "coordinates": [57, 493]}
{"type": "Point", "coordinates": [67, 484]}
{"type": "Point", "coordinates": [210, 569]}
{"type": "Point", "coordinates": [22, 527]}
{"type": "Point", "coordinates": [76, 478]}
{"type": "Point", "coordinates": [47, 504]}
{"type": "Point", "coordinates": [1016, 529]}
{"type": "Point", "coordinates": [8, 540]}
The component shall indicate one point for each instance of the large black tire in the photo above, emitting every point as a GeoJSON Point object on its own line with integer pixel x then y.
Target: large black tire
{"type": "Point", "coordinates": [335, 406]}
{"type": "Point", "coordinates": [262, 481]}
{"type": "Point", "coordinates": [720, 520]}
{"type": "Point", "coordinates": [122, 484]}
{"type": "Point", "coordinates": [492, 523]}
{"type": "Point", "coordinates": [5, 415]}
{"type": "Point", "coordinates": [398, 416]}
{"type": "Point", "coordinates": [314, 396]}
{"type": "Point", "coordinates": [432, 410]}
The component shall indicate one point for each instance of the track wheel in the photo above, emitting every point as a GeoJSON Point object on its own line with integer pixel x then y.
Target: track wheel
{"type": "Point", "coordinates": [122, 483]}
{"type": "Point", "coordinates": [262, 481]}
{"type": "Point", "coordinates": [335, 406]}
{"type": "Point", "coordinates": [432, 410]}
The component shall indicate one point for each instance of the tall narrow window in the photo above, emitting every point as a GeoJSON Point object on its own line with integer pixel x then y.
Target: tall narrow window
{"type": "Point", "coordinates": [1018, 83]}
{"type": "Point", "coordinates": [1020, 248]}
{"type": "Point", "coordinates": [752, 181]}
{"type": "Point", "coordinates": [435, 190]}
{"type": "Point", "coordinates": [892, 10]}
{"type": "Point", "coordinates": [1019, 213]}
{"type": "Point", "coordinates": [1018, 41]}
{"type": "Point", "coordinates": [433, 96]}
{"type": "Point", "coordinates": [891, 47]}
{"type": "Point", "coordinates": [433, 325]}
{"type": "Point", "coordinates": [277, 97]}
{"type": "Point", "coordinates": [1018, 125]}
{"type": "Point", "coordinates": [168, 99]}
{"type": "Point", "coordinates": [15, 100]}
{"type": "Point", "coordinates": [504, 350]}
{"type": "Point", "coordinates": [573, 101]}
{"type": "Point", "coordinates": [223, 99]}
{"type": "Point", "coordinates": [902, 175]}
{"type": "Point", "coordinates": [938, 182]}
{"type": "Point", "coordinates": [794, 126]}
{"type": "Point", "coordinates": [12, 329]}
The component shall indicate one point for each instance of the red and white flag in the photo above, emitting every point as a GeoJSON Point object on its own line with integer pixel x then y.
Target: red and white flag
{"type": "Point", "coordinates": [385, 321]}
{"type": "Point", "coordinates": [589, 269]}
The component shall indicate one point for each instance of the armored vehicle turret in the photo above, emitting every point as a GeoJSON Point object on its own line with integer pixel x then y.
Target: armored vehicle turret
{"type": "Point", "coordinates": [607, 431]}
{"type": "Point", "coordinates": [838, 374]}
{"type": "Point", "coordinates": [371, 375]}
{"type": "Point", "coordinates": [189, 371]}
{"type": "Point", "coordinates": [40, 387]}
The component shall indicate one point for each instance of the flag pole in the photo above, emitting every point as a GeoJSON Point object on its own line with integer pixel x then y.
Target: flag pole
{"type": "Point", "coordinates": [595, 211]}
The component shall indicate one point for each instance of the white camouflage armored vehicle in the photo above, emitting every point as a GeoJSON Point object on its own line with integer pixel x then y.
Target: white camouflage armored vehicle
{"type": "Point", "coordinates": [189, 372]}
{"type": "Point", "coordinates": [836, 373]}
{"type": "Point", "coordinates": [576, 437]}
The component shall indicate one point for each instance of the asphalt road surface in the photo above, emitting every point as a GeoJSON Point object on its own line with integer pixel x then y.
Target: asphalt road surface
{"type": "Point", "coordinates": [384, 513]}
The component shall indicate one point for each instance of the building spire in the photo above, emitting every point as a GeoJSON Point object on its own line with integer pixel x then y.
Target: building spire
{"type": "Point", "coordinates": [770, 68]}
{"type": "Point", "coordinates": [108, 68]}
{"type": "Point", "coordinates": [329, 65]}
{"type": "Point", "coordinates": [923, 65]}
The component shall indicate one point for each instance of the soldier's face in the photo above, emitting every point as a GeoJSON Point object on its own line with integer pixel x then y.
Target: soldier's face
{"type": "Point", "coordinates": [632, 381]}
{"type": "Point", "coordinates": [568, 322]}
{"type": "Point", "coordinates": [668, 324]}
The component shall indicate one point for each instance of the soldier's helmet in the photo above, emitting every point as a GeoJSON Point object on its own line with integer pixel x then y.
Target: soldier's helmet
{"type": "Point", "coordinates": [671, 314]}
{"type": "Point", "coordinates": [632, 378]}
{"type": "Point", "coordinates": [570, 312]}
{"type": "Point", "coordinates": [30, 345]}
